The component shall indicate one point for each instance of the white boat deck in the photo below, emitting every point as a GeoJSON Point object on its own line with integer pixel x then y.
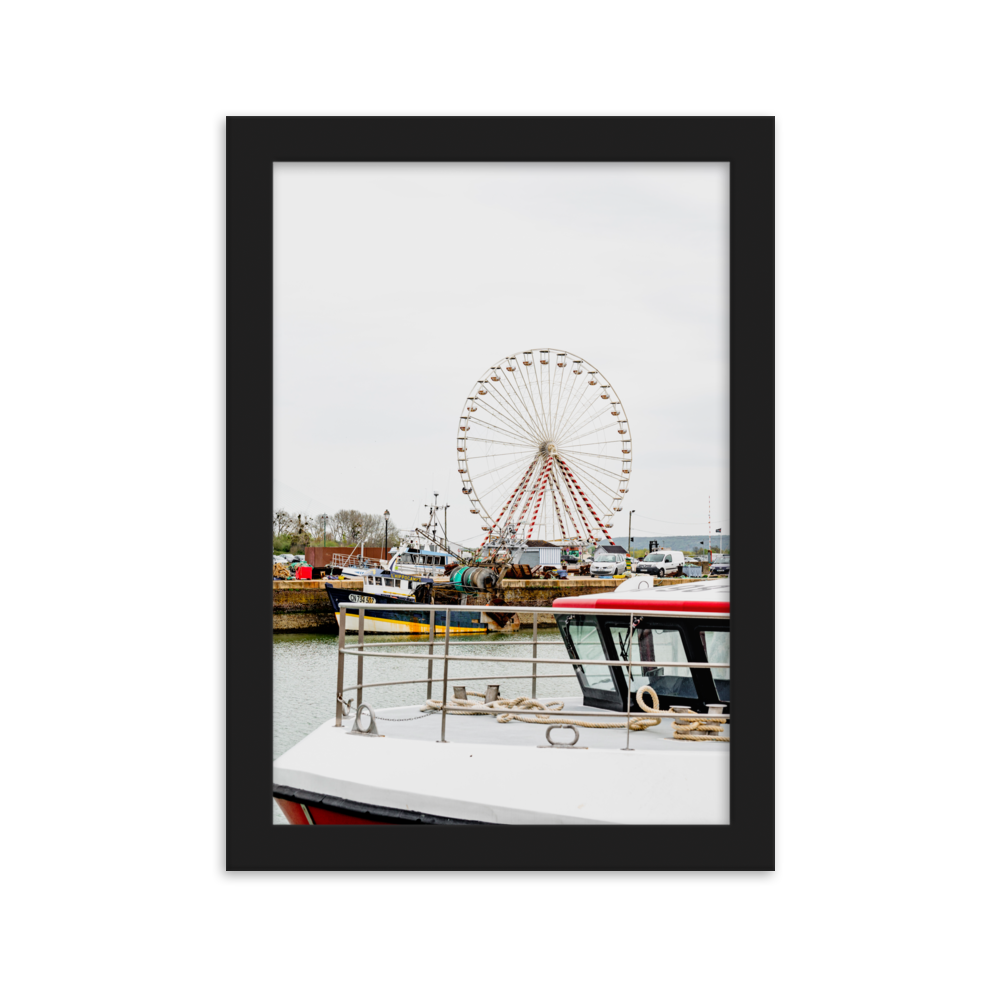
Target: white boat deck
{"type": "Point", "coordinates": [491, 772]}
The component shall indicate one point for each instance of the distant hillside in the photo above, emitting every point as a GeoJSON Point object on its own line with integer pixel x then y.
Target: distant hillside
{"type": "Point", "coordinates": [685, 543]}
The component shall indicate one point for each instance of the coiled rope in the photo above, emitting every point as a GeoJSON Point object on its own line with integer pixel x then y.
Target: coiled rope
{"type": "Point", "coordinates": [465, 706]}
{"type": "Point", "coordinates": [685, 729]}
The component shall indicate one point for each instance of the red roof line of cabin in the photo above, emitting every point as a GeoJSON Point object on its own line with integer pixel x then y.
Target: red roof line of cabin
{"type": "Point", "coordinates": [628, 602]}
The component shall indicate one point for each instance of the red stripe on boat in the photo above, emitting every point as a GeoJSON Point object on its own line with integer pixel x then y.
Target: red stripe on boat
{"type": "Point", "coordinates": [321, 816]}
{"type": "Point", "coordinates": [629, 602]}
{"type": "Point", "coordinates": [293, 812]}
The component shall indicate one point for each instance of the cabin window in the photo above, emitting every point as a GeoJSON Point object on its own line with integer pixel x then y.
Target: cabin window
{"type": "Point", "coordinates": [406, 558]}
{"type": "Point", "coordinates": [586, 641]}
{"type": "Point", "coordinates": [716, 646]}
{"type": "Point", "coordinates": [652, 644]}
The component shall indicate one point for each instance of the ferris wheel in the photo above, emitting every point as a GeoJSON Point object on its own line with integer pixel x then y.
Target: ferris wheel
{"type": "Point", "coordinates": [544, 449]}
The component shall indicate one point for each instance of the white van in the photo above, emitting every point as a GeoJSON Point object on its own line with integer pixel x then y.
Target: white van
{"type": "Point", "coordinates": [664, 562]}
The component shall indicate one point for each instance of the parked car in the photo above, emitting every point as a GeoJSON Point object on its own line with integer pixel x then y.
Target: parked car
{"type": "Point", "coordinates": [720, 565]}
{"type": "Point", "coordinates": [607, 564]}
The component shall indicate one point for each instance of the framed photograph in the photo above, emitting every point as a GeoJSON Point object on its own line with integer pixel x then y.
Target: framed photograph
{"type": "Point", "coordinates": [396, 285]}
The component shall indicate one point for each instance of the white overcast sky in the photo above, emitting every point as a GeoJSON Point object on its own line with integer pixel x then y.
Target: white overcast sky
{"type": "Point", "coordinates": [397, 285]}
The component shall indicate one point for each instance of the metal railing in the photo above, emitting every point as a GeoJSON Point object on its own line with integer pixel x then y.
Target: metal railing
{"type": "Point", "coordinates": [447, 657]}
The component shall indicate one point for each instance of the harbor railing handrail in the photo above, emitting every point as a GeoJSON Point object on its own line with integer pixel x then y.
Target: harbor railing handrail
{"type": "Point", "coordinates": [359, 651]}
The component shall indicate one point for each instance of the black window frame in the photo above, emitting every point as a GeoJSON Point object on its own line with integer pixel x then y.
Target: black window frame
{"type": "Point", "coordinates": [689, 628]}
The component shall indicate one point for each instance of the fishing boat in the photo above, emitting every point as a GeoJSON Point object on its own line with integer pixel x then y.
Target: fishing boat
{"type": "Point", "coordinates": [645, 742]}
{"type": "Point", "coordinates": [390, 602]}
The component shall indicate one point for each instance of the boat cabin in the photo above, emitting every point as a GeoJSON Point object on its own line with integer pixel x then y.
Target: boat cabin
{"type": "Point", "coordinates": [693, 627]}
{"type": "Point", "coordinates": [380, 581]}
{"type": "Point", "coordinates": [420, 562]}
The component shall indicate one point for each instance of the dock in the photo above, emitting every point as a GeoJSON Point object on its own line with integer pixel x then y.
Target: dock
{"type": "Point", "coordinates": [302, 605]}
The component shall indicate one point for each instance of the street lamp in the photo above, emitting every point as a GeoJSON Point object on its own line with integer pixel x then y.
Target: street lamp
{"type": "Point", "coordinates": [386, 516]}
{"type": "Point", "coordinates": [630, 513]}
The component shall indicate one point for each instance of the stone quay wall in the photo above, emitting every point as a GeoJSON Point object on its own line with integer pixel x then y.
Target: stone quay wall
{"type": "Point", "coordinates": [302, 605]}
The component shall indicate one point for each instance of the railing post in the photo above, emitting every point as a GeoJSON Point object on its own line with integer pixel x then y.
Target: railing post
{"type": "Point", "coordinates": [628, 685]}
{"type": "Point", "coordinates": [341, 642]}
{"type": "Point", "coordinates": [444, 693]}
{"type": "Point", "coordinates": [361, 657]}
{"type": "Point", "coordinates": [534, 653]}
{"type": "Point", "coordinates": [430, 649]}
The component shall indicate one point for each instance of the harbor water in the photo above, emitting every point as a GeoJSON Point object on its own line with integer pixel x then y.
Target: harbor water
{"type": "Point", "coordinates": [305, 676]}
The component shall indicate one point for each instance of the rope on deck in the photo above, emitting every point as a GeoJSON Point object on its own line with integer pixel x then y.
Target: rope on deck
{"type": "Point", "coordinates": [685, 729]}
{"type": "Point", "coordinates": [465, 706]}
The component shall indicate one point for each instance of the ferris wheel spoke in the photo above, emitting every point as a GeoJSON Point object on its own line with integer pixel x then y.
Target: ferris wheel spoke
{"type": "Point", "coordinates": [505, 482]}
{"type": "Point", "coordinates": [531, 399]}
{"type": "Point", "coordinates": [590, 485]}
{"type": "Point", "coordinates": [590, 428]}
{"type": "Point", "coordinates": [520, 445]}
{"type": "Point", "coordinates": [506, 428]}
{"type": "Point", "coordinates": [558, 401]}
{"type": "Point", "coordinates": [517, 402]}
{"type": "Point", "coordinates": [558, 413]}
{"type": "Point", "coordinates": [575, 442]}
{"type": "Point", "coordinates": [592, 454]}
{"type": "Point", "coordinates": [510, 412]}
{"type": "Point", "coordinates": [501, 487]}
{"type": "Point", "coordinates": [591, 444]}
{"type": "Point", "coordinates": [587, 479]}
{"type": "Point", "coordinates": [568, 392]}
{"type": "Point", "coordinates": [512, 499]}
{"type": "Point", "coordinates": [566, 505]}
{"type": "Point", "coordinates": [542, 422]}
{"type": "Point", "coordinates": [519, 462]}
{"type": "Point", "coordinates": [549, 374]}
{"type": "Point", "coordinates": [513, 427]}
{"type": "Point", "coordinates": [592, 404]}
{"type": "Point", "coordinates": [581, 503]}
{"type": "Point", "coordinates": [583, 469]}
{"type": "Point", "coordinates": [514, 406]}
{"type": "Point", "coordinates": [584, 422]}
{"type": "Point", "coordinates": [581, 397]}
{"type": "Point", "coordinates": [529, 495]}
{"type": "Point", "coordinates": [547, 410]}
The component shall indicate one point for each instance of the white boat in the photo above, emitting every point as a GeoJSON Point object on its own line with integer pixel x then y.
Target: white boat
{"type": "Point", "coordinates": [653, 672]}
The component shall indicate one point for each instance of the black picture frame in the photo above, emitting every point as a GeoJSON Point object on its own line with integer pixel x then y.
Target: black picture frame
{"type": "Point", "coordinates": [253, 146]}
